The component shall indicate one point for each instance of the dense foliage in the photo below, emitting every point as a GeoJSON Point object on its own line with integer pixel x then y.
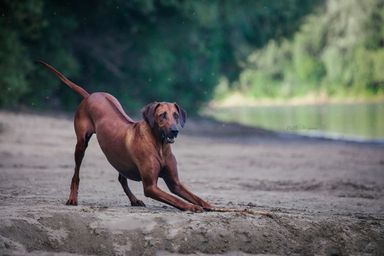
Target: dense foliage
{"type": "Point", "coordinates": [337, 52]}
{"type": "Point", "coordinates": [140, 51]}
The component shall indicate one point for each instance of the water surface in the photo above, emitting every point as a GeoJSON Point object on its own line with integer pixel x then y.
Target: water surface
{"type": "Point", "coordinates": [363, 121]}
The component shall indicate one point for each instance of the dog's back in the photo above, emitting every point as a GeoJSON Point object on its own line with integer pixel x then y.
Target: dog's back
{"type": "Point", "coordinates": [108, 120]}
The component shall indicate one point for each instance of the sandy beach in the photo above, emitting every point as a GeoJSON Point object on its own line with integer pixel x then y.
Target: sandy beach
{"type": "Point", "coordinates": [326, 197]}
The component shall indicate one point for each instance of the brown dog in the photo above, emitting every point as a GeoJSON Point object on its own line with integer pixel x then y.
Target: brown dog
{"type": "Point", "coordinates": [139, 151]}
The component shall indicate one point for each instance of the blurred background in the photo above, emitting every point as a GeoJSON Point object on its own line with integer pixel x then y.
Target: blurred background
{"type": "Point", "coordinates": [307, 66]}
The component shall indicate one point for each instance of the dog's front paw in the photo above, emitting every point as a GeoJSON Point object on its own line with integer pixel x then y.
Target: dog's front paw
{"type": "Point", "coordinates": [206, 206]}
{"type": "Point", "coordinates": [194, 208]}
{"type": "Point", "coordinates": [138, 203]}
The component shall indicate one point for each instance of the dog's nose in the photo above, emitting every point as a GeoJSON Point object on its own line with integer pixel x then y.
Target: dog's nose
{"type": "Point", "coordinates": [174, 131]}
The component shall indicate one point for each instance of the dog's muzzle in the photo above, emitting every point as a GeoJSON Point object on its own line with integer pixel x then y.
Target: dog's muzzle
{"type": "Point", "coordinates": [170, 136]}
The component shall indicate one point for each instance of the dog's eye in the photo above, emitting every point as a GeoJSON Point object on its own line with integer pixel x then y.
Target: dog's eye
{"type": "Point", "coordinates": [175, 115]}
{"type": "Point", "coordinates": [163, 115]}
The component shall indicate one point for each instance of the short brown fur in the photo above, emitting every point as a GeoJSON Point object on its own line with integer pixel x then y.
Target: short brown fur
{"type": "Point", "coordinates": [139, 151]}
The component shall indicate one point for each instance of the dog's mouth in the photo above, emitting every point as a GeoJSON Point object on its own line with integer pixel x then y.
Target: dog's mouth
{"type": "Point", "coordinates": [168, 138]}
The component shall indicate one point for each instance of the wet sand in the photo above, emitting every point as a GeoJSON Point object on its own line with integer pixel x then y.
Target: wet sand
{"type": "Point", "coordinates": [326, 196]}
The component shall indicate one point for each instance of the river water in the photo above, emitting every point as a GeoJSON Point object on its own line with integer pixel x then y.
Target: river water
{"type": "Point", "coordinates": [358, 121]}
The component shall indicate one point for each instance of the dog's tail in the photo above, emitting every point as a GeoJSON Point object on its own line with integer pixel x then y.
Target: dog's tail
{"type": "Point", "coordinates": [65, 80]}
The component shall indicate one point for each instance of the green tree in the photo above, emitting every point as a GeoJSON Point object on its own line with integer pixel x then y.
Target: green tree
{"type": "Point", "coordinates": [337, 50]}
{"type": "Point", "coordinates": [139, 51]}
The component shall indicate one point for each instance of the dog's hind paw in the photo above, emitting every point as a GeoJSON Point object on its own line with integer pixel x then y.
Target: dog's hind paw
{"type": "Point", "coordinates": [138, 203]}
{"type": "Point", "coordinates": [71, 202]}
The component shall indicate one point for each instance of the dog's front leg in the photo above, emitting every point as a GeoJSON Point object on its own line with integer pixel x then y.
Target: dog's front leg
{"type": "Point", "coordinates": [149, 178]}
{"type": "Point", "coordinates": [175, 186]}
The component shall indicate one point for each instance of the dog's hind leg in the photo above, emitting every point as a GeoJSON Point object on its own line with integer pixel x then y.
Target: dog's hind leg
{"type": "Point", "coordinates": [84, 130]}
{"type": "Point", "coordinates": [128, 192]}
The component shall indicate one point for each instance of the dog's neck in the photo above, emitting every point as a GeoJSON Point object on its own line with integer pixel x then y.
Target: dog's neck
{"type": "Point", "coordinates": [155, 139]}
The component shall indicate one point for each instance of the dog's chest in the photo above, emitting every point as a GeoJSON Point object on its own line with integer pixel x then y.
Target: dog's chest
{"type": "Point", "coordinates": [132, 174]}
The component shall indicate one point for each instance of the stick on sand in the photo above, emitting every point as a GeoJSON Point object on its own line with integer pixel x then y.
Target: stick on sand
{"type": "Point", "coordinates": [244, 211]}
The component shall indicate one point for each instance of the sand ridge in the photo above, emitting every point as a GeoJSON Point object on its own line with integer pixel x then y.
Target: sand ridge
{"type": "Point", "coordinates": [326, 197]}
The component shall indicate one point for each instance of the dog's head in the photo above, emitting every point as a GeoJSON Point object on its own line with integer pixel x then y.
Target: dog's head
{"type": "Point", "coordinates": [165, 119]}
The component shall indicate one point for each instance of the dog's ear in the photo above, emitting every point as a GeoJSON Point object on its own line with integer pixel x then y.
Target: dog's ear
{"type": "Point", "coordinates": [148, 113]}
{"type": "Point", "coordinates": [182, 114]}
